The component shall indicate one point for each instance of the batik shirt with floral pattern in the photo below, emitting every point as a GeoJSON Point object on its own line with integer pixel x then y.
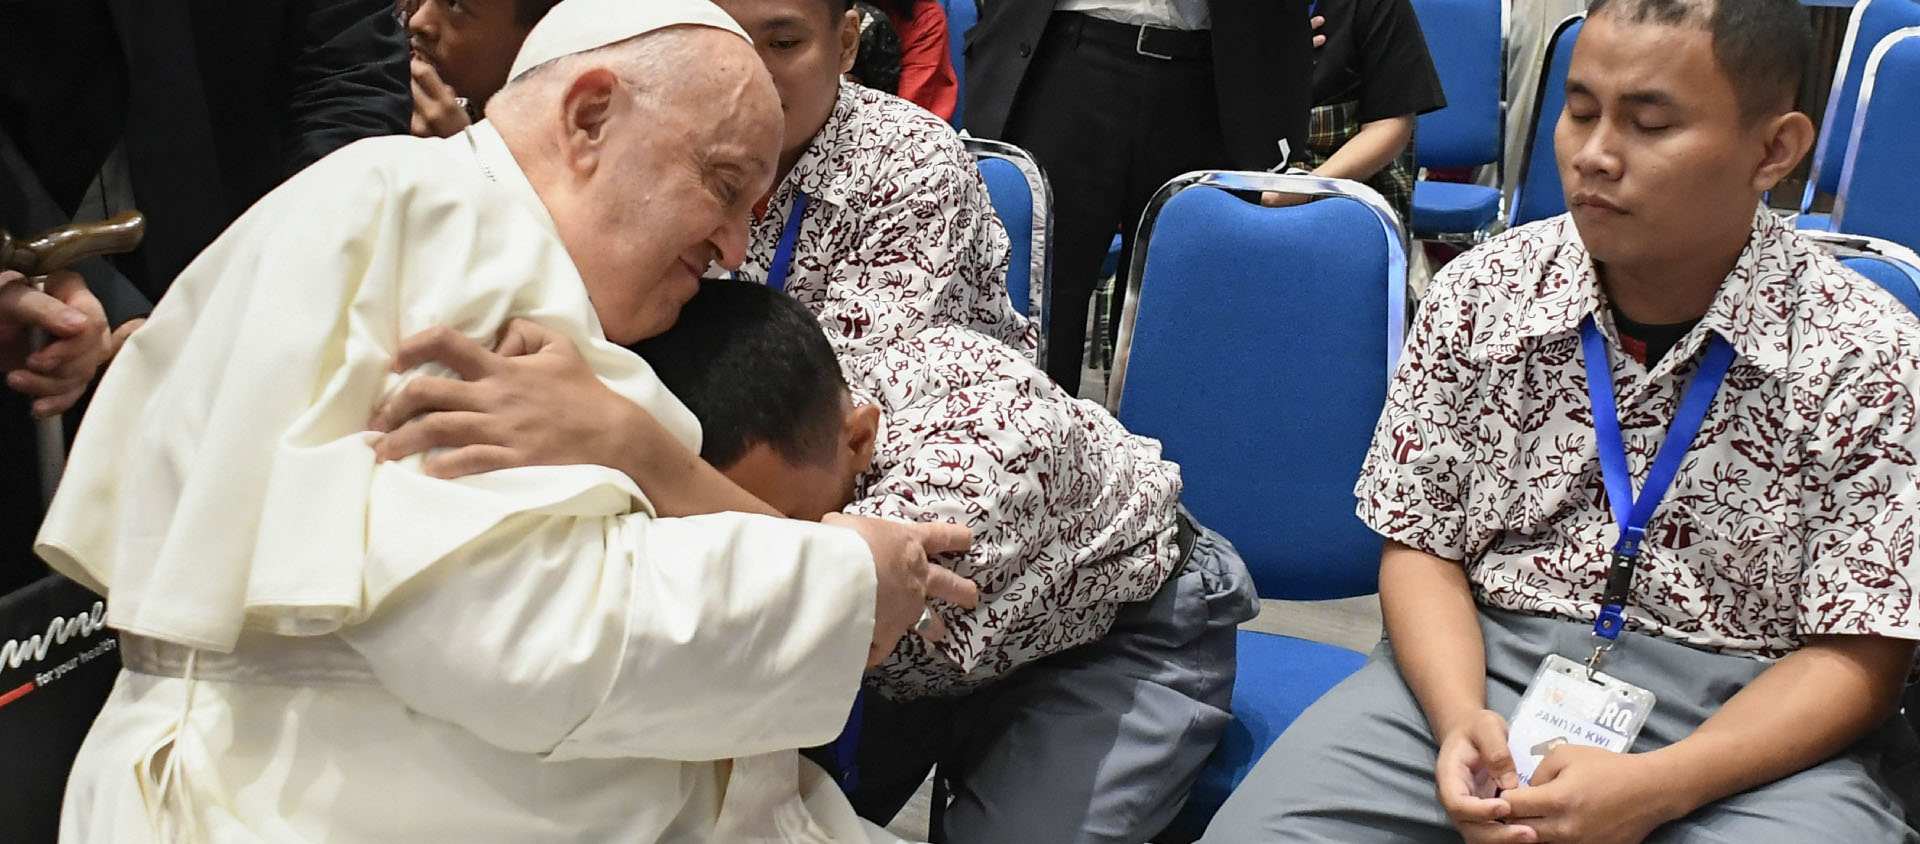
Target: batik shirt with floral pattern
{"type": "Point", "coordinates": [1072, 516]}
{"type": "Point", "coordinates": [1792, 515]}
{"type": "Point", "coordinates": [901, 257]}
{"type": "Point", "coordinates": [898, 234]}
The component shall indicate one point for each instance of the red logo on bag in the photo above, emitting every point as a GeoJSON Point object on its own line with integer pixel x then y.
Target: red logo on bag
{"type": "Point", "coordinates": [18, 693]}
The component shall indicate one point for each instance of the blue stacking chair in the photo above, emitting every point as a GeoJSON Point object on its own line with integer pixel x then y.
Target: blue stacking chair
{"type": "Point", "coordinates": [1894, 267]}
{"type": "Point", "coordinates": [1880, 182]}
{"type": "Point", "coordinates": [1112, 264]}
{"type": "Point", "coordinates": [1538, 194]}
{"type": "Point", "coordinates": [1256, 346]}
{"type": "Point", "coordinates": [1024, 201]}
{"type": "Point", "coordinates": [1467, 39]}
{"type": "Point", "coordinates": [961, 16]}
{"type": "Point", "coordinates": [1871, 21]}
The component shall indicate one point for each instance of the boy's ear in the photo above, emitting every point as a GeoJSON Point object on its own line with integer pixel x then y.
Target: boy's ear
{"type": "Point", "coordinates": [1788, 137]}
{"type": "Point", "coordinates": [849, 39]}
{"type": "Point", "coordinates": [858, 435]}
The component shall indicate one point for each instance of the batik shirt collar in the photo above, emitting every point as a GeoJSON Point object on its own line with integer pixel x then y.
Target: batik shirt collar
{"type": "Point", "coordinates": [1752, 309]}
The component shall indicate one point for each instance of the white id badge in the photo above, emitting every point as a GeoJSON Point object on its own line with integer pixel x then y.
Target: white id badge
{"type": "Point", "coordinates": [1563, 706]}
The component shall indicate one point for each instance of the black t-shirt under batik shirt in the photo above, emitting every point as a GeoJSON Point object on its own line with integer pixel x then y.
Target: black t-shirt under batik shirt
{"type": "Point", "coordinates": [1649, 342]}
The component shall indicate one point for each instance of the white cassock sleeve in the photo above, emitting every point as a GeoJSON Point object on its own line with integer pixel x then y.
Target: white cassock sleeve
{"type": "Point", "coordinates": [700, 638]}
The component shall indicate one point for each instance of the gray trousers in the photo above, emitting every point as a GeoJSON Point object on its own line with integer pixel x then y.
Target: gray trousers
{"type": "Point", "coordinates": [1097, 744]}
{"type": "Point", "coordinates": [1358, 764]}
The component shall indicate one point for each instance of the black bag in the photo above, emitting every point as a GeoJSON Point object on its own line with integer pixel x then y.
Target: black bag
{"type": "Point", "coordinates": [58, 660]}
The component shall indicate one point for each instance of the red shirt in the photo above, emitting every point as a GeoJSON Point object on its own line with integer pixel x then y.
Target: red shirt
{"type": "Point", "coordinates": [926, 61]}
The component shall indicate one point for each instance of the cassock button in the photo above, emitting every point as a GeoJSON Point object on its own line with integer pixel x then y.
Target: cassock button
{"type": "Point", "coordinates": [1026, 50]}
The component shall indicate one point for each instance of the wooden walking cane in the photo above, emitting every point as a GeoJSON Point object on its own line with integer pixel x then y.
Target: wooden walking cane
{"type": "Point", "coordinates": [56, 249]}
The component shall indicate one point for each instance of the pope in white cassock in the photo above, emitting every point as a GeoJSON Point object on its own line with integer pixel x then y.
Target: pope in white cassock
{"type": "Point", "coordinates": [323, 647]}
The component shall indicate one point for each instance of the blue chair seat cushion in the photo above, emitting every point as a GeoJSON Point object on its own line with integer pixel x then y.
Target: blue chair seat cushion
{"type": "Point", "coordinates": [1450, 207]}
{"type": "Point", "coordinates": [1889, 276]}
{"type": "Point", "coordinates": [1279, 677]}
{"type": "Point", "coordinates": [1814, 222]}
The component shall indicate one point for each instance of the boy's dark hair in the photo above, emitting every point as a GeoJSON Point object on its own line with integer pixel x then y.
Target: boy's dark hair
{"type": "Point", "coordinates": [1763, 46]}
{"type": "Point", "coordinates": [526, 13]}
{"type": "Point", "coordinates": [754, 367]}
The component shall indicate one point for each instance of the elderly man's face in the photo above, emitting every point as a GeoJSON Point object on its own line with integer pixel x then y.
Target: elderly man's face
{"type": "Point", "coordinates": [675, 187]}
{"type": "Point", "coordinates": [806, 47]}
{"type": "Point", "coordinates": [1655, 157]}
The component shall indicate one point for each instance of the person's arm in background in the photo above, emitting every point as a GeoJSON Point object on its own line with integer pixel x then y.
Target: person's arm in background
{"type": "Point", "coordinates": [346, 66]}
{"type": "Point", "coordinates": [927, 78]}
{"type": "Point", "coordinates": [437, 111]}
{"type": "Point", "coordinates": [1397, 82]}
{"type": "Point", "coordinates": [1377, 145]}
{"type": "Point", "coordinates": [78, 341]}
{"type": "Point", "coordinates": [26, 208]}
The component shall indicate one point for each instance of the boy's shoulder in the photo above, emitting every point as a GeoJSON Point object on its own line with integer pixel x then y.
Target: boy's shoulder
{"type": "Point", "coordinates": [896, 131]}
{"type": "Point", "coordinates": [1496, 295]}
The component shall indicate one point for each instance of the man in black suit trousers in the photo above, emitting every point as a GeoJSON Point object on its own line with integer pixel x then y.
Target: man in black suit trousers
{"type": "Point", "coordinates": [1115, 97]}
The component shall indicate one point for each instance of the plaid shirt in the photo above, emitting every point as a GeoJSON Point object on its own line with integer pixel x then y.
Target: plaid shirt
{"type": "Point", "coordinates": [1330, 127]}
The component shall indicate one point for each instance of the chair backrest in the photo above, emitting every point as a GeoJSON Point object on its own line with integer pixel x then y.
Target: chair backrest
{"type": "Point", "coordinates": [1539, 194]}
{"type": "Point", "coordinates": [1894, 267]}
{"type": "Point", "coordinates": [1256, 346]}
{"type": "Point", "coordinates": [1893, 275]}
{"type": "Point", "coordinates": [1880, 182]}
{"type": "Point", "coordinates": [1467, 41]}
{"type": "Point", "coordinates": [1871, 21]}
{"type": "Point", "coordinates": [1024, 201]}
{"type": "Point", "coordinates": [961, 16]}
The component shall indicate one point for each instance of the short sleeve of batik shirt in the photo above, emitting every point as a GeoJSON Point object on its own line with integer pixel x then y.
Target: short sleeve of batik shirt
{"type": "Point", "coordinates": [1413, 485]}
{"type": "Point", "coordinates": [1063, 504]}
{"type": "Point", "coordinates": [1862, 504]}
{"type": "Point", "coordinates": [936, 249]}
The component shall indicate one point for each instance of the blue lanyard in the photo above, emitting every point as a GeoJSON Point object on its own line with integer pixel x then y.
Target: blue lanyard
{"type": "Point", "coordinates": [1666, 461]}
{"type": "Point", "coordinates": [783, 254]}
